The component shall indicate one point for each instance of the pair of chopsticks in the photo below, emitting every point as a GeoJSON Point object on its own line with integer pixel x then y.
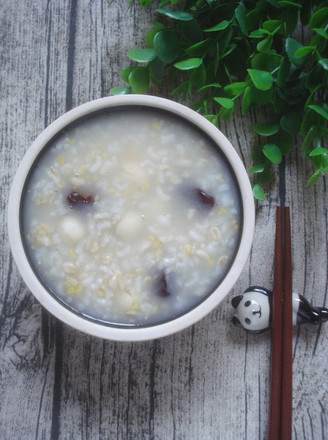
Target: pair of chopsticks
{"type": "Point", "coordinates": [280, 424]}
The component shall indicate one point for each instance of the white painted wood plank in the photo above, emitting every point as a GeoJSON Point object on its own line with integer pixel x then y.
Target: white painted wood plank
{"type": "Point", "coordinates": [26, 359]}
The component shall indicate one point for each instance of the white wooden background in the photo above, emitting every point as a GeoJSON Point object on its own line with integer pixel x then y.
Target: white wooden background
{"type": "Point", "coordinates": [211, 381]}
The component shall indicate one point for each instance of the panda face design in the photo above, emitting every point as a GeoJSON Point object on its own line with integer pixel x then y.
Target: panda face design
{"type": "Point", "coordinates": [253, 311]}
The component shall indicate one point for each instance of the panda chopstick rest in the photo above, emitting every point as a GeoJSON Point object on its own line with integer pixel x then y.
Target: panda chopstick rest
{"type": "Point", "coordinates": [259, 309]}
{"type": "Point", "coordinates": [253, 310]}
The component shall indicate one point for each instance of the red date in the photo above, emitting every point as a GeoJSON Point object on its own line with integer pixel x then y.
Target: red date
{"type": "Point", "coordinates": [205, 199]}
{"type": "Point", "coordinates": [161, 287]}
{"type": "Point", "coordinates": [78, 199]}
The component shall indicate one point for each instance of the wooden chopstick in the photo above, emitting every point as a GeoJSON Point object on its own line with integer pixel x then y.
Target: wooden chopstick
{"type": "Point", "coordinates": [281, 352]}
{"type": "Point", "coordinates": [276, 346]}
{"type": "Point", "coordinates": [287, 360]}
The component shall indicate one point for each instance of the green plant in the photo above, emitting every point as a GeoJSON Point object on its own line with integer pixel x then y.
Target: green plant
{"type": "Point", "coordinates": [218, 53]}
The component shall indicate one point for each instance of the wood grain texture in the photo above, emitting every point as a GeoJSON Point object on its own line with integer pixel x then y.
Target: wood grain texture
{"type": "Point", "coordinates": [210, 381]}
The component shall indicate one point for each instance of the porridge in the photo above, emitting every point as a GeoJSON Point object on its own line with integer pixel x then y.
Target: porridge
{"type": "Point", "coordinates": [131, 216]}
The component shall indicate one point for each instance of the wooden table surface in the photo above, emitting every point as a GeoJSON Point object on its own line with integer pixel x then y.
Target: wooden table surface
{"type": "Point", "coordinates": [210, 381]}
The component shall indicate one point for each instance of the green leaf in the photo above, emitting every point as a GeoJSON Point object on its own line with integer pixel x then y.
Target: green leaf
{"type": "Point", "coordinates": [303, 51]}
{"type": "Point", "coordinates": [166, 45]}
{"type": "Point", "coordinates": [158, 26]}
{"type": "Point", "coordinates": [216, 59]}
{"type": "Point", "coordinates": [226, 69]}
{"type": "Point", "coordinates": [272, 152]}
{"type": "Point", "coordinates": [218, 27]}
{"type": "Point", "coordinates": [157, 70]}
{"type": "Point", "coordinates": [324, 63]}
{"type": "Point", "coordinates": [291, 47]}
{"type": "Point", "coordinates": [176, 15]}
{"type": "Point", "coordinates": [289, 3]}
{"type": "Point", "coordinates": [291, 122]}
{"type": "Point", "coordinates": [198, 106]}
{"type": "Point", "coordinates": [143, 3]}
{"type": "Point", "coordinates": [253, 19]}
{"type": "Point", "coordinates": [319, 42]}
{"type": "Point", "coordinates": [258, 192]}
{"type": "Point", "coordinates": [312, 180]}
{"type": "Point", "coordinates": [126, 72]}
{"type": "Point", "coordinates": [139, 80]}
{"type": "Point", "coordinates": [318, 18]}
{"type": "Point", "coordinates": [198, 76]}
{"type": "Point", "coordinates": [231, 48]}
{"type": "Point", "coordinates": [261, 96]}
{"type": "Point", "coordinates": [284, 140]}
{"type": "Point", "coordinates": [290, 19]}
{"type": "Point", "coordinates": [283, 71]}
{"type": "Point", "coordinates": [236, 89]}
{"type": "Point", "coordinates": [240, 14]}
{"type": "Point", "coordinates": [181, 89]}
{"type": "Point", "coordinates": [224, 40]}
{"type": "Point", "coordinates": [279, 102]}
{"type": "Point", "coordinates": [142, 55]}
{"type": "Point", "coordinates": [306, 13]}
{"type": "Point", "coordinates": [271, 25]}
{"type": "Point", "coordinates": [265, 32]}
{"type": "Point", "coordinates": [266, 129]}
{"type": "Point", "coordinates": [120, 90]}
{"type": "Point", "coordinates": [318, 151]}
{"type": "Point", "coordinates": [258, 156]}
{"type": "Point", "coordinates": [323, 162]}
{"type": "Point", "coordinates": [268, 61]}
{"type": "Point", "coordinates": [210, 118]}
{"type": "Point", "coordinates": [150, 38]}
{"type": "Point", "coordinates": [321, 32]}
{"type": "Point", "coordinates": [199, 49]}
{"type": "Point", "coordinates": [225, 113]}
{"type": "Point", "coordinates": [190, 63]}
{"type": "Point", "coordinates": [191, 31]}
{"type": "Point", "coordinates": [321, 111]}
{"type": "Point", "coordinates": [315, 78]}
{"type": "Point", "coordinates": [225, 102]}
{"type": "Point", "coordinates": [247, 100]}
{"type": "Point", "coordinates": [264, 45]}
{"type": "Point", "coordinates": [307, 146]}
{"type": "Point", "coordinates": [266, 176]}
{"type": "Point", "coordinates": [262, 80]}
{"type": "Point", "coordinates": [256, 34]}
{"type": "Point", "coordinates": [323, 132]}
{"type": "Point", "coordinates": [310, 120]}
{"type": "Point", "coordinates": [257, 169]}
{"type": "Point", "coordinates": [207, 86]}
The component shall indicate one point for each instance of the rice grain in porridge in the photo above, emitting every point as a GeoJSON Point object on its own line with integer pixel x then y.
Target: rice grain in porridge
{"type": "Point", "coordinates": [131, 216]}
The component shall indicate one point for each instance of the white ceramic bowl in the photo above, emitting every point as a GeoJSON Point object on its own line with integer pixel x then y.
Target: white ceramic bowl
{"type": "Point", "coordinates": [93, 327]}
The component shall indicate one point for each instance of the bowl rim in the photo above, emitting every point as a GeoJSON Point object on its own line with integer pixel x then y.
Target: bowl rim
{"type": "Point", "coordinates": [130, 333]}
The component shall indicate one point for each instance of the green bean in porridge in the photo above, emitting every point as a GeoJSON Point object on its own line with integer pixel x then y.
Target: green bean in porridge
{"type": "Point", "coordinates": [131, 216]}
